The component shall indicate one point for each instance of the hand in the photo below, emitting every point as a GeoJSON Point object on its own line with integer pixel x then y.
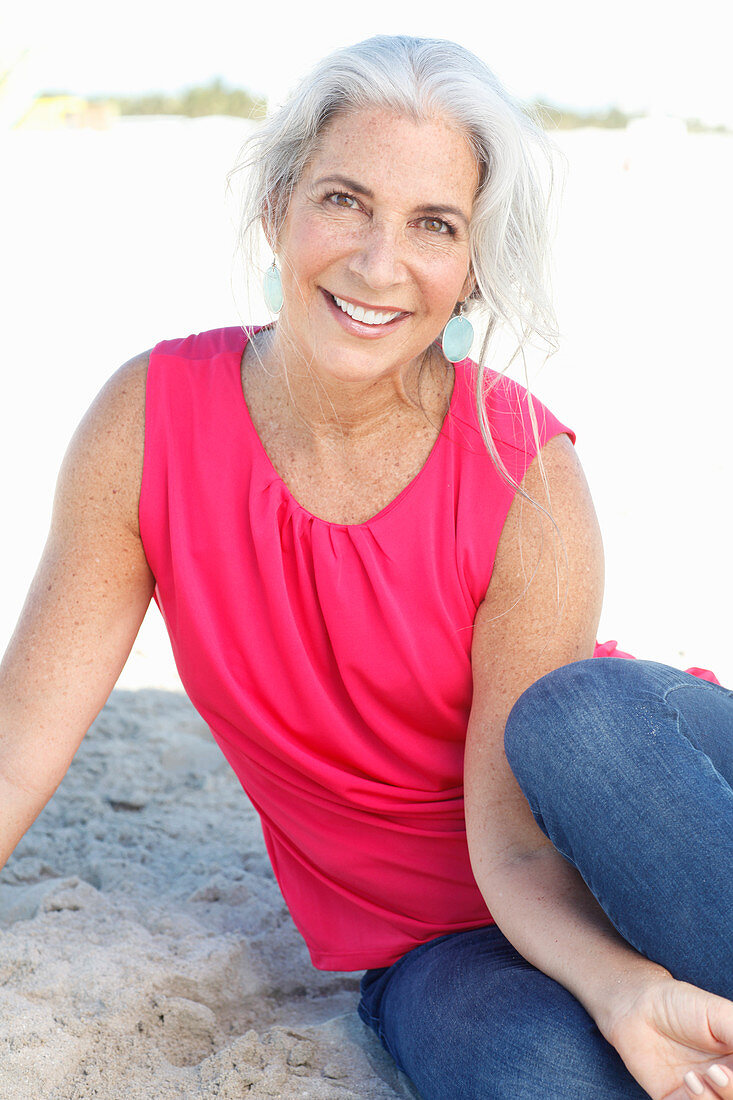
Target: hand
{"type": "Point", "coordinates": [677, 1041]}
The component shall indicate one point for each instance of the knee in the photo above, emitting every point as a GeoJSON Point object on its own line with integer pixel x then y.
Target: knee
{"type": "Point", "coordinates": [578, 714]}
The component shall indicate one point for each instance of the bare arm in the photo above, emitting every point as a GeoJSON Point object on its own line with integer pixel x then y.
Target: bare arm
{"type": "Point", "coordinates": [84, 607]}
{"type": "Point", "coordinates": [541, 612]}
{"type": "Point", "coordinates": [528, 625]}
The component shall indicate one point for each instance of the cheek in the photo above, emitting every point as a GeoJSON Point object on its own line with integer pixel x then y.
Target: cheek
{"type": "Point", "coordinates": [444, 284]}
{"type": "Point", "coordinates": [312, 246]}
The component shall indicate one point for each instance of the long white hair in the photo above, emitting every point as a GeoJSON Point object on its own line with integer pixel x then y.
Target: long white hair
{"type": "Point", "coordinates": [425, 78]}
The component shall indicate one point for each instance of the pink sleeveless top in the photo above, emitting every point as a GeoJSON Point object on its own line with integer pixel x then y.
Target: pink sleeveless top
{"type": "Point", "coordinates": [331, 661]}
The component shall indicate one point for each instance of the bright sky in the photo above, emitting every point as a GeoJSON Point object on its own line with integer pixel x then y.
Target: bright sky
{"type": "Point", "coordinates": [669, 55]}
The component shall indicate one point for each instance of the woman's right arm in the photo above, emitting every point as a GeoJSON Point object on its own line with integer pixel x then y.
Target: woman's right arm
{"type": "Point", "coordinates": [84, 607]}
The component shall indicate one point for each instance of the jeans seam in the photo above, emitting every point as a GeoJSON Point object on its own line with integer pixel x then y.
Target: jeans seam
{"type": "Point", "coordinates": [683, 726]}
{"type": "Point", "coordinates": [691, 687]}
{"type": "Point", "coordinates": [366, 1015]}
{"type": "Point", "coordinates": [374, 1023]}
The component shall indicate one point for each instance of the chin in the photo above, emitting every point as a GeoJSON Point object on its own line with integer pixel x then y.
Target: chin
{"type": "Point", "coordinates": [352, 365]}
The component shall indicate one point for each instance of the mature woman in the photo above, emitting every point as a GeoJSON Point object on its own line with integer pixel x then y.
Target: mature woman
{"type": "Point", "coordinates": [381, 573]}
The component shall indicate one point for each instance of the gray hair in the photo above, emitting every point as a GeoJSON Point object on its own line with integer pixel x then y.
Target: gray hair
{"type": "Point", "coordinates": [426, 78]}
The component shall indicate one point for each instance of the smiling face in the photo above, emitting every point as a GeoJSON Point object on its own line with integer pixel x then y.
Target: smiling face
{"type": "Point", "coordinates": [374, 250]}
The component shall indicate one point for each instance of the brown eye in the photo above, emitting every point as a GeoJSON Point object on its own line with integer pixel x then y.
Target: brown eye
{"type": "Point", "coordinates": [436, 225]}
{"type": "Point", "coordinates": [339, 198]}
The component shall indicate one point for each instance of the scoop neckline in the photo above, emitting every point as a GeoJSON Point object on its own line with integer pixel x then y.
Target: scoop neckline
{"type": "Point", "coordinates": [429, 461]}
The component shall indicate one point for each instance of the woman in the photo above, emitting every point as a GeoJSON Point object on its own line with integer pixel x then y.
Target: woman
{"type": "Point", "coordinates": [368, 579]}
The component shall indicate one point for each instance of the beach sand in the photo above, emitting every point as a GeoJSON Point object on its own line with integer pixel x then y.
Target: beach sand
{"type": "Point", "coordinates": [144, 946]}
{"type": "Point", "coordinates": [145, 949]}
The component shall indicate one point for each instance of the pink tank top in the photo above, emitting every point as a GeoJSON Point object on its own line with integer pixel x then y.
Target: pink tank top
{"type": "Point", "coordinates": [331, 661]}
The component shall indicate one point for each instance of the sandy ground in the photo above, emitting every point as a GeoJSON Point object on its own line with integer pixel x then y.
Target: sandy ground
{"type": "Point", "coordinates": [143, 940]}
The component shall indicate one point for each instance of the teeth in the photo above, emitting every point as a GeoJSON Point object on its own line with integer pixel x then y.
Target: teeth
{"type": "Point", "coordinates": [368, 316]}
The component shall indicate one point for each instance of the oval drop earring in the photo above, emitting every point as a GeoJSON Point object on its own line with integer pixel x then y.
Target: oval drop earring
{"type": "Point", "coordinates": [457, 338]}
{"type": "Point", "coordinates": [272, 288]}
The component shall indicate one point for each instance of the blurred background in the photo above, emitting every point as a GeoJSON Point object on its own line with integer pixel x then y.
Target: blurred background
{"type": "Point", "coordinates": [118, 127]}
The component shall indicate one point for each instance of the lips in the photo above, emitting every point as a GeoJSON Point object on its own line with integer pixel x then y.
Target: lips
{"type": "Point", "coordinates": [365, 314]}
{"type": "Point", "coordinates": [375, 323]}
{"type": "Point", "coordinates": [371, 327]}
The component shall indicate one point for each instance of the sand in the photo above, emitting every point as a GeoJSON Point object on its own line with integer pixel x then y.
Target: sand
{"type": "Point", "coordinates": [144, 947]}
{"type": "Point", "coordinates": [144, 942]}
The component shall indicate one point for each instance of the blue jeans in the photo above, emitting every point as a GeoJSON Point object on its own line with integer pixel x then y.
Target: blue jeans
{"type": "Point", "coordinates": [627, 767]}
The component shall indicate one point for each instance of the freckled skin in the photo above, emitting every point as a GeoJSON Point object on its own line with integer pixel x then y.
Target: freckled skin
{"type": "Point", "coordinates": [348, 426]}
{"type": "Point", "coordinates": [381, 250]}
{"type": "Point", "coordinates": [342, 417]}
{"type": "Point", "coordinates": [83, 609]}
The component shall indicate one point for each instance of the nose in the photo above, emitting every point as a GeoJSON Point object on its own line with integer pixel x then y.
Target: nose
{"type": "Point", "coordinates": [377, 259]}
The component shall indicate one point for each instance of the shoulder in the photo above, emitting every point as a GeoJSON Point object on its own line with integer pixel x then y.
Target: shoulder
{"type": "Point", "coordinates": [102, 468]}
{"type": "Point", "coordinates": [551, 540]}
{"type": "Point", "coordinates": [117, 414]}
{"type": "Point", "coordinates": [115, 421]}
{"type": "Point", "coordinates": [544, 600]}
{"type": "Point", "coordinates": [184, 372]}
{"type": "Point", "coordinates": [202, 345]}
{"type": "Point", "coordinates": [517, 417]}
{"type": "Point", "coordinates": [517, 423]}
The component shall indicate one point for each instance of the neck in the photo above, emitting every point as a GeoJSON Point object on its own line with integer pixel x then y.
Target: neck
{"type": "Point", "coordinates": [336, 408]}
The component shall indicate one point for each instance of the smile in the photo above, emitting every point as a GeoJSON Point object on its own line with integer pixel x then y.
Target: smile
{"type": "Point", "coordinates": [366, 316]}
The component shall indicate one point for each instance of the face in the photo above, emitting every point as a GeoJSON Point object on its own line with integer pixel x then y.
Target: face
{"type": "Point", "coordinates": [374, 251]}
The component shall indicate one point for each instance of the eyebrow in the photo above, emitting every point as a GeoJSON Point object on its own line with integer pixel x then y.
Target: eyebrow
{"type": "Point", "coordinates": [431, 209]}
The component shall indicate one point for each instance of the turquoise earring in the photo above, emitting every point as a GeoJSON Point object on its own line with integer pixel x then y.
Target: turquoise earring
{"type": "Point", "coordinates": [272, 289]}
{"type": "Point", "coordinates": [457, 338]}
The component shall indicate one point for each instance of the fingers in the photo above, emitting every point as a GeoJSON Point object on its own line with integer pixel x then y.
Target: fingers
{"type": "Point", "coordinates": [717, 1081]}
{"type": "Point", "coordinates": [719, 1076]}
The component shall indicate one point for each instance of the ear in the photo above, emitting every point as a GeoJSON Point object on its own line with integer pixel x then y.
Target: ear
{"type": "Point", "coordinates": [469, 286]}
{"type": "Point", "coordinates": [270, 237]}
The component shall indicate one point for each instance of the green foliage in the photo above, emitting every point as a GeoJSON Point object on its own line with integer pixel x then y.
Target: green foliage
{"type": "Point", "coordinates": [563, 118]}
{"type": "Point", "coordinates": [216, 99]}
{"type": "Point", "coordinates": [552, 117]}
{"type": "Point", "coordinates": [212, 99]}
{"type": "Point", "coordinates": [697, 126]}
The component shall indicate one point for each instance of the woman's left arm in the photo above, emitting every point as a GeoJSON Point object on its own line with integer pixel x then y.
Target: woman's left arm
{"type": "Point", "coordinates": [541, 612]}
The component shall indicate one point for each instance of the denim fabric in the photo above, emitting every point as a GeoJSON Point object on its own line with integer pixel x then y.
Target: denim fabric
{"type": "Point", "coordinates": [467, 1018]}
{"type": "Point", "coordinates": [627, 766]}
{"type": "Point", "coordinates": [628, 771]}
